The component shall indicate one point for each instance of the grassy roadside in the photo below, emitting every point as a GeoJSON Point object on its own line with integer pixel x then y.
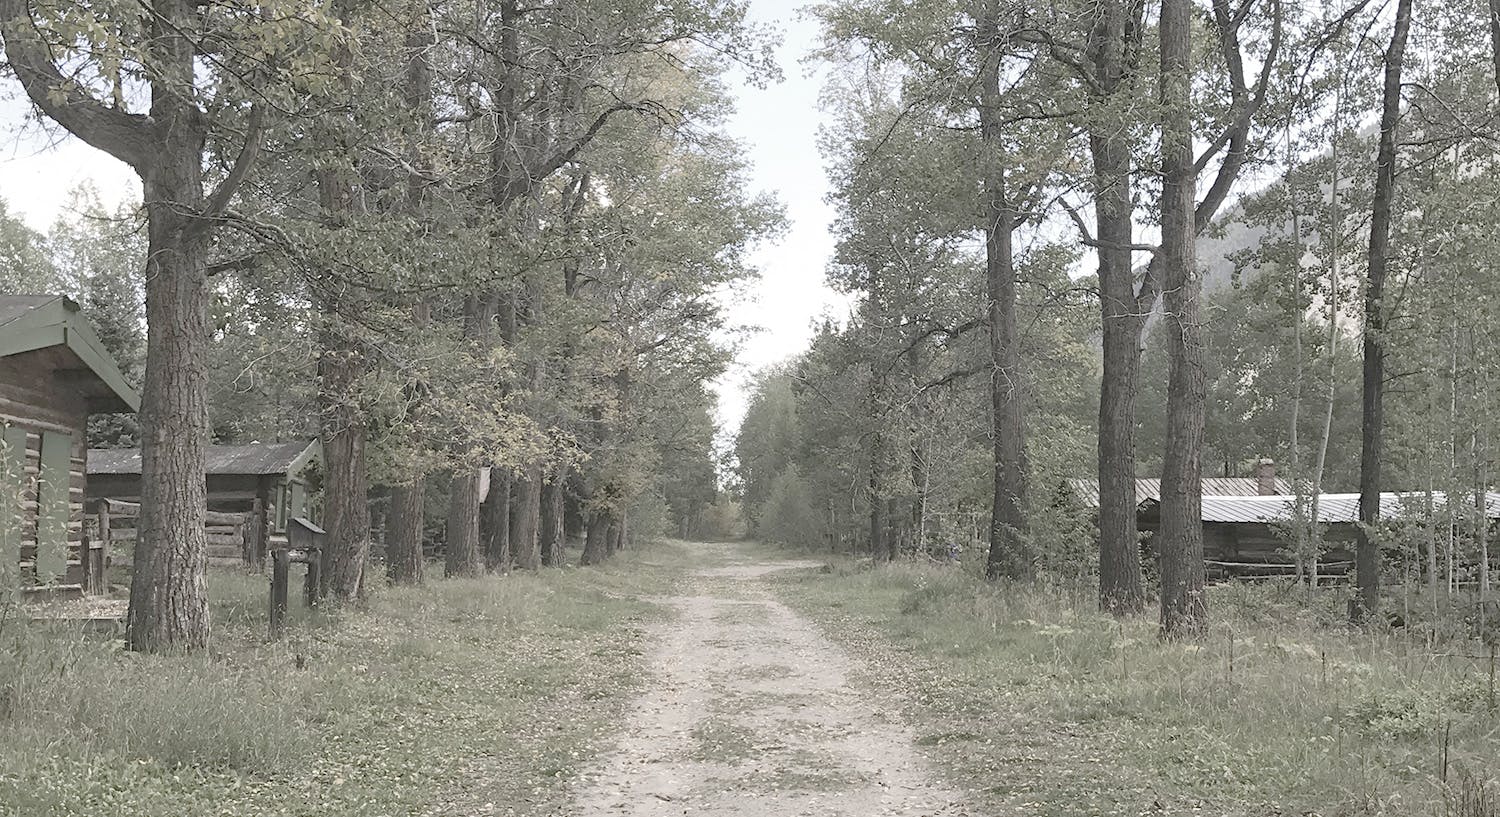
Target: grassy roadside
{"type": "Point", "coordinates": [461, 697]}
{"type": "Point", "coordinates": [1044, 707]}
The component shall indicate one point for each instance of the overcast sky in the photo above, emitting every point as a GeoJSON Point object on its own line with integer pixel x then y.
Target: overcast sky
{"type": "Point", "coordinates": [778, 125]}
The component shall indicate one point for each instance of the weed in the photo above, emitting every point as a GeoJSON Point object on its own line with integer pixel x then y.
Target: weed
{"type": "Point", "coordinates": [427, 700]}
{"type": "Point", "coordinates": [1280, 710]}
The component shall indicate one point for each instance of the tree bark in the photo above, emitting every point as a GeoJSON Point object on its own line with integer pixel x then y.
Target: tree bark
{"type": "Point", "coordinates": [494, 522]}
{"type": "Point", "coordinates": [464, 554]}
{"type": "Point", "coordinates": [403, 534]}
{"type": "Point", "coordinates": [880, 535]}
{"type": "Point", "coordinates": [341, 363]}
{"type": "Point", "coordinates": [1367, 551]}
{"type": "Point", "coordinates": [463, 557]}
{"type": "Point", "coordinates": [552, 539]}
{"type": "Point", "coordinates": [346, 509]}
{"type": "Point", "coordinates": [596, 539]}
{"type": "Point", "coordinates": [526, 518]}
{"type": "Point", "coordinates": [615, 536]}
{"type": "Point", "coordinates": [1183, 608]}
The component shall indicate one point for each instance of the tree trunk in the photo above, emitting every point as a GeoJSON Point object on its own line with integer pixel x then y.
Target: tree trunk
{"type": "Point", "coordinates": [596, 539]}
{"type": "Point", "coordinates": [615, 536]}
{"type": "Point", "coordinates": [880, 545]}
{"type": "Point", "coordinates": [464, 555]}
{"type": "Point", "coordinates": [551, 538]}
{"type": "Point", "coordinates": [1009, 551]}
{"type": "Point", "coordinates": [1120, 581]}
{"type": "Point", "coordinates": [1335, 281]}
{"type": "Point", "coordinates": [494, 522]}
{"type": "Point", "coordinates": [405, 523]}
{"type": "Point", "coordinates": [1367, 552]}
{"type": "Point", "coordinates": [403, 534]}
{"type": "Point", "coordinates": [1183, 607]}
{"type": "Point", "coordinates": [463, 558]}
{"type": "Point", "coordinates": [346, 509]}
{"type": "Point", "coordinates": [168, 593]}
{"type": "Point", "coordinates": [525, 518]}
{"type": "Point", "coordinates": [341, 363]}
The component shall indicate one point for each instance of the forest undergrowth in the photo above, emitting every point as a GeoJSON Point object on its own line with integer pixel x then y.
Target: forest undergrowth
{"type": "Point", "coordinates": [472, 697]}
{"type": "Point", "coordinates": [1043, 706]}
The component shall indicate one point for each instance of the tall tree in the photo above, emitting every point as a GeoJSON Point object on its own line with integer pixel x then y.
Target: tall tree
{"type": "Point", "coordinates": [1113, 48]}
{"type": "Point", "coordinates": [1367, 554]}
{"type": "Point", "coordinates": [199, 68]}
{"type": "Point", "coordinates": [1008, 547]}
{"type": "Point", "coordinates": [1182, 576]}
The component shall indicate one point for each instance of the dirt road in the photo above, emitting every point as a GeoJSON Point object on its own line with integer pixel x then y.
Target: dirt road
{"type": "Point", "coordinates": [752, 711]}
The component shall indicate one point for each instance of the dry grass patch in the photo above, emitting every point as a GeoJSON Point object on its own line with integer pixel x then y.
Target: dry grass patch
{"type": "Point", "coordinates": [431, 700]}
{"type": "Point", "coordinates": [1048, 707]}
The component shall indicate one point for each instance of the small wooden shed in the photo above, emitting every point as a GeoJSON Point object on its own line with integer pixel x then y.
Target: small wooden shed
{"type": "Point", "coordinates": [1245, 535]}
{"type": "Point", "coordinates": [54, 373]}
{"type": "Point", "coordinates": [274, 481]}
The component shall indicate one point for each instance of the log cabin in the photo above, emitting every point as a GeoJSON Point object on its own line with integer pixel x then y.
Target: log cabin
{"type": "Point", "coordinates": [54, 373]}
{"type": "Point", "coordinates": [272, 481]}
{"type": "Point", "coordinates": [1247, 536]}
{"type": "Point", "coordinates": [1247, 521]}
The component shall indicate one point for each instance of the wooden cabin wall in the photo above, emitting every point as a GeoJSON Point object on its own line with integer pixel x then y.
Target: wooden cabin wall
{"type": "Point", "coordinates": [38, 411]}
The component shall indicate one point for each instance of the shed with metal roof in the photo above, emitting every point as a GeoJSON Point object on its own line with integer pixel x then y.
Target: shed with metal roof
{"type": "Point", "coordinates": [1250, 535]}
{"type": "Point", "coordinates": [1146, 490]}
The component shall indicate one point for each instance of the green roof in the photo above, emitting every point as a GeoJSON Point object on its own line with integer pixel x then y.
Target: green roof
{"type": "Point", "coordinates": [32, 322]}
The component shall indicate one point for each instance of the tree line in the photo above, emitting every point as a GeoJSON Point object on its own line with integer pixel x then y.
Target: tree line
{"type": "Point", "coordinates": [448, 238]}
{"type": "Point", "coordinates": [1118, 240]}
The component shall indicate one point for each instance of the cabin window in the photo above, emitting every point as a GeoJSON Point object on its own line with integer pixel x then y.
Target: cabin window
{"type": "Point", "coordinates": [53, 484]}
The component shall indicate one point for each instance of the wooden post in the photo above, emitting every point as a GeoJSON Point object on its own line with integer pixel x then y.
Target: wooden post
{"type": "Point", "coordinates": [262, 525]}
{"type": "Point", "coordinates": [104, 537]}
{"type": "Point", "coordinates": [1492, 675]}
{"type": "Point", "coordinates": [247, 539]}
{"type": "Point", "coordinates": [91, 557]}
{"type": "Point", "coordinates": [86, 561]}
{"type": "Point", "coordinates": [312, 585]}
{"type": "Point", "coordinates": [280, 563]}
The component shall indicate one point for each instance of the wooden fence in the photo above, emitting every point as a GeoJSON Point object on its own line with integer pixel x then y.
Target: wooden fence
{"type": "Point", "coordinates": [232, 537]}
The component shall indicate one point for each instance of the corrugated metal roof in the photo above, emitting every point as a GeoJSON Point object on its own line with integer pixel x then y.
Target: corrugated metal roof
{"type": "Point", "coordinates": [1149, 490]}
{"type": "Point", "coordinates": [258, 459]}
{"type": "Point", "coordinates": [1332, 508]}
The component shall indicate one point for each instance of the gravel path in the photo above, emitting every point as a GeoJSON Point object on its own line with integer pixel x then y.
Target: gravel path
{"type": "Point", "coordinates": [752, 712]}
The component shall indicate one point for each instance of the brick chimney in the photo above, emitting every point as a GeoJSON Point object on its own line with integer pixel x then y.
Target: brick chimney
{"type": "Point", "coordinates": [1265, 477]}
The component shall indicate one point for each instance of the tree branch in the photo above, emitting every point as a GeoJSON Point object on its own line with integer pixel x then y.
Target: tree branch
{"type": "Point", "coordinates": [219, 200]}
{"type": "Point", "coordinates": [125, 136]}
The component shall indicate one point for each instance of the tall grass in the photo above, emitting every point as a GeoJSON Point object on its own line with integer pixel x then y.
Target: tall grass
{"type": "Point", "coordinates": [1278, 710]}
{"type": "Point", "coordinates": [434, 699]}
